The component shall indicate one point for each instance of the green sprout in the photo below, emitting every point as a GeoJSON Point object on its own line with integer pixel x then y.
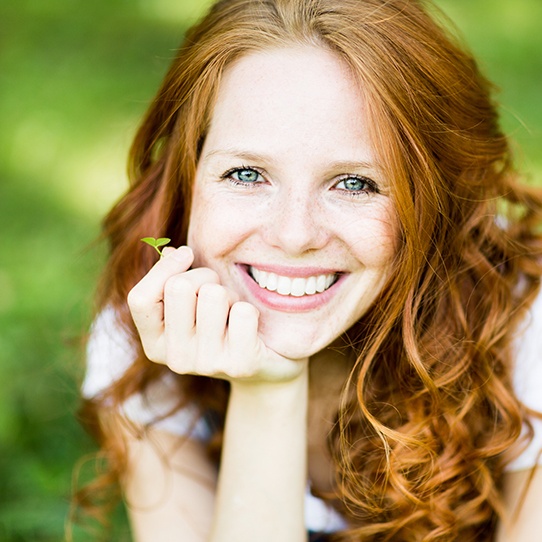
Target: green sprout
{"type": "Point", "coordinates": [156, 243]}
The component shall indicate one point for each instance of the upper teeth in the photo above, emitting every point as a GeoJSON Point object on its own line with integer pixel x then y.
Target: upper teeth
{"type": "Point", "coordinates": [296, 286]}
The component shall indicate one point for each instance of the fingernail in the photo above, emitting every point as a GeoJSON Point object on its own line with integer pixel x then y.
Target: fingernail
{"type": "Point", "coordinates": [182, 253]}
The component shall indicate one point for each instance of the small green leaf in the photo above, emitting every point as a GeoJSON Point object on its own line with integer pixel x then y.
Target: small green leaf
{"type": "Point", "coordinates": [155, 243]}
{"type": "Point", "coordinates": [150, 241]}
{"type": "Point", "coordinates": [162, 241]}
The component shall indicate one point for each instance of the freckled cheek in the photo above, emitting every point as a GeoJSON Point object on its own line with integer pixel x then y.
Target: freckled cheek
{"type": "Point", "coordinates": [216, 228]}
{"type": "Point", "coordinates": [373, 240]}
{"type": "Point", "coordinates": [202, 224]}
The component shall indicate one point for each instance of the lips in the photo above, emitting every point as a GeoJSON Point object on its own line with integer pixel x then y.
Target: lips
{"type": "Point", "coordinates": [291, 285]}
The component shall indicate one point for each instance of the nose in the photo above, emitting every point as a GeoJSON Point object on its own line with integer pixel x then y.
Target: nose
{"type": "Point", "coordinates": [297, 223]}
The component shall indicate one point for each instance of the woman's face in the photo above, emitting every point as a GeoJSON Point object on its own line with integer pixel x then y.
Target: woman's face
{"type": "Point", "coordinates": [289, 206]}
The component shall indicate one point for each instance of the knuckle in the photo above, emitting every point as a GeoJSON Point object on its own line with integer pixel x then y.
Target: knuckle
{"type": "Point", "coordinates": [241, 373]}
{"type": "Point", "coordinates": [177, 367]}
{"type": "Point", "coordinates": [201, 275]}
{"type": "Point", "coordinates": [152, 354]}
{"type": "Point", "coordinates": [243, 309]}
{"type": "Point", "coordinates": [176, 362]}
{"type": "Point", "coordinates": [212, 290]}
{"type": "Point", "coordinates": [180, 357]}
{"type": "Point", "coordinates": [177, 285]}
{"type": "Point", "coordinates": [211, 276]}
{"type": "Point", "coordinates": [137, 302]}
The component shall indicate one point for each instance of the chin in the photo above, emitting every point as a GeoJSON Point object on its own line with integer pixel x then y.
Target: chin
{"type": "Point", "coordinates": [293, 351]}
{"type": "Point", "coordinates": [299, 336]}
{"type": "Point", "coordinates": [294, 348]}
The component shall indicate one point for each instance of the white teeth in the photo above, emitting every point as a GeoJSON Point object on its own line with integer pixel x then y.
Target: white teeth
{"type": "Point", "coordinates": [272, 282]}
{"type": "Point", "coordinates": [321, 283]}
{"type": "Point", "coordinates": [285, 286]}
{"type": "Point", "coordinates": [310, 287]}
{"type": "Point", "coordinates": [297, 287]}
{"type": "Point", "coordinates": [262, 279]}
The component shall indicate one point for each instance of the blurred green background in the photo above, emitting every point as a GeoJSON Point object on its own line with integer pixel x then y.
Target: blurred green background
{"type": "Point", "coordinates": [75, 77]}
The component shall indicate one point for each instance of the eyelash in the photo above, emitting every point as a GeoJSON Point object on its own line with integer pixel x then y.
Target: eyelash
{"type": "Point", "coordinates": [236, 182]}
{"type": "Point", "coordinates": [372, 187]}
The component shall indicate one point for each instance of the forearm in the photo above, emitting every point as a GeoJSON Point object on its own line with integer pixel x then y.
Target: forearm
{"type": "Point", "coordinates": [188, 321]}
{"type": "Point", "coordinates": [263, 469]}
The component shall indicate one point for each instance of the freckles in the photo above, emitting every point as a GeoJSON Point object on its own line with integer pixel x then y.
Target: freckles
{"type": "Point", "coordinates": [387, 226]}
{"type": "Point", "coordinates": [374, 241]}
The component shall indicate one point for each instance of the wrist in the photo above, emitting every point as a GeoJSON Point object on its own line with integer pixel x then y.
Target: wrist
{"type": "Point", "coordinates": [274, 397]}
{"type": "Point", "coordinates": [287, 386]}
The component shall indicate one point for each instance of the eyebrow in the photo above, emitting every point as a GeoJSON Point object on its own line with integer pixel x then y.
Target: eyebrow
{"type": "Point", "coordinates": [351, 165]}
{"type": "Point", "coordinates": [238, 153]}
{"type": "Point", "coordinates": [339, 165]}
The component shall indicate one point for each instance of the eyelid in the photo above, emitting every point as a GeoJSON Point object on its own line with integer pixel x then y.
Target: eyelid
{"type": "Point", "coordinates": [373, 185]}
{"type": "Point", "coordinates": [233, 170]}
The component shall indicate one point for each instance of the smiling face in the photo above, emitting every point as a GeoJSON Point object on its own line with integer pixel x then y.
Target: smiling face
{"type": "Point", "coordinates": [289, 206]}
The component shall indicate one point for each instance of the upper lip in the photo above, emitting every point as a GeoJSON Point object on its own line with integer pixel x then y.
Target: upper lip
{"type": "Point", "coordinates": [294, 271]}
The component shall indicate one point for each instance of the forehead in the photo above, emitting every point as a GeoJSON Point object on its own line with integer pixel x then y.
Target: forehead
{"type": "Point", "coordinates": [300, 73]}
{"type": "Point", "coordinates": [293, 97]}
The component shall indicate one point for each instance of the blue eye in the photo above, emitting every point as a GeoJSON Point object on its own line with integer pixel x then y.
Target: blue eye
{"type": "Point", "coordinates": [243, 175]}
{"type": "Point", "coordinates": [355, 184]}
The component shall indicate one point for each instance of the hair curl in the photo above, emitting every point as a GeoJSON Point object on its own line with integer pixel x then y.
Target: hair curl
{"type": "Point", "coordinates": [428, 411]}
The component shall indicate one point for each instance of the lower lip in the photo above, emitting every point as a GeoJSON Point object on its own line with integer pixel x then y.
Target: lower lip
{"type": "Point", "coordinates": [288, 303]}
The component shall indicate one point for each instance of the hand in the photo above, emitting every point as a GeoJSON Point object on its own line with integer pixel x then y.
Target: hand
{"type": "Point", "coordinates": [188, 321]}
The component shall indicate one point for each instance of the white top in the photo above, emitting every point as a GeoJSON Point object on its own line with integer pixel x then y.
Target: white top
{"type": "Point", "coordinates": [109, 354]}
{"type": "Point", "coordinates": [528, 380]}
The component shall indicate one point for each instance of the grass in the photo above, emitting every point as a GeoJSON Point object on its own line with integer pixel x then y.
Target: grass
{"type": "Point", "coordinates": [76, 76]}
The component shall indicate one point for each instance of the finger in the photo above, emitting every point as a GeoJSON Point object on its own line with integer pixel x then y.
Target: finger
{"type": "Point", "coordinates": [151, 287]}
{"type": "Point", "coordinates": [180, 301]}
{"type": "Point", "coordinates": [180, 297]}
{"type": "Point", "coordinates": [246, 345]}
{"type": "Point", "coordinates": [213, 306]}
{"type": "Point", "coordinates": [145, 299]}
{"type": "Point", "coordinates": [242, 336]}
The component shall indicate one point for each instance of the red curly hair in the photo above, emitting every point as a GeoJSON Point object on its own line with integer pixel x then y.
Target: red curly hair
{"type": "Point", "coordinates": [428, 411]}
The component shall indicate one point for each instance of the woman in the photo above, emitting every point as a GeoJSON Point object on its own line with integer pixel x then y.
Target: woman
{"type": "Point", "coordinates": [332, 346]}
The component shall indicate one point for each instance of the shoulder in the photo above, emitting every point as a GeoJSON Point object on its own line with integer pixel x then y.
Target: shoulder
{"type": "Point", "coordinates": [110, 352]}
{"type": "Point", "coordinates": [522, 494]}
{"type": "Point", "coordinates": [528, 352]}
{"type": "Point", "coordinates": [527, 379]}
